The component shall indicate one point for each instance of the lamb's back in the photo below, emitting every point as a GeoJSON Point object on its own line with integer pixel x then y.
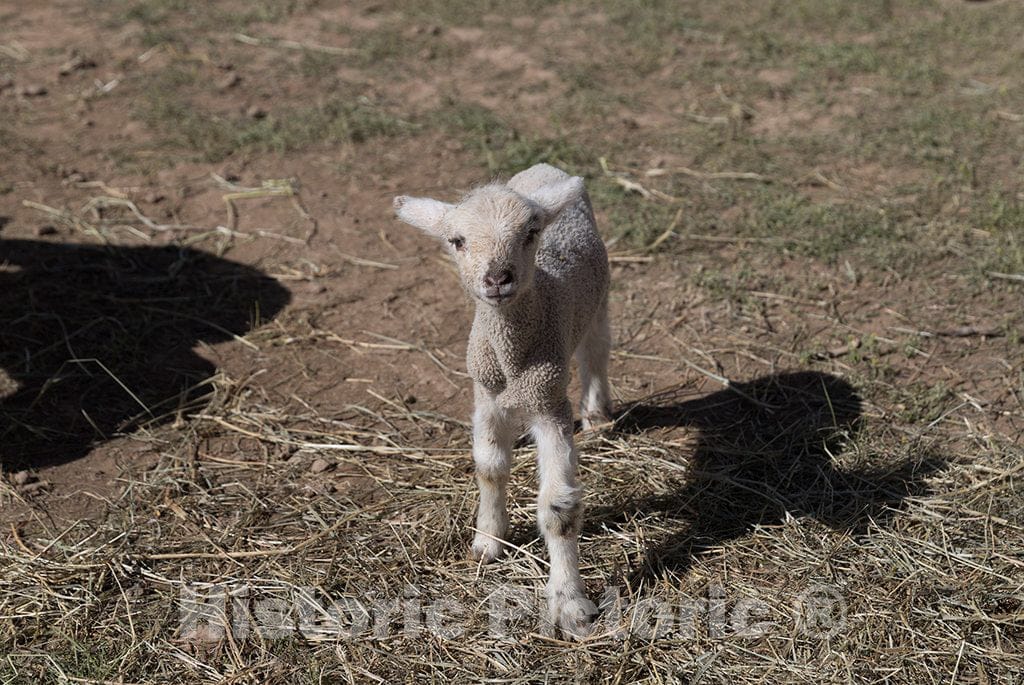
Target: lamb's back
{"type": "Point", "coordinates": [572, 262]}
{"type": "Point", "coordinates": [572, 242]}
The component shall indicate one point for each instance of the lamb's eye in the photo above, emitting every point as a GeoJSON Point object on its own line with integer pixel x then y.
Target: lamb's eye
{"type": "Point", "coordinates": [458, 242]}
{"type": "Point", "coordinates": [532, 229]}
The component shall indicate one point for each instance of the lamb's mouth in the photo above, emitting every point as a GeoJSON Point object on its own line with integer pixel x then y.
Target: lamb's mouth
{"type": "Point", "coordinates": [497, 297]}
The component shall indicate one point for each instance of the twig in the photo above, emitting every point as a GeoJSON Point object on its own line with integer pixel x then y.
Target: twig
{"type": "Point", "coordinates": [636, 255]}
{"type": "Point", "coordinates": [818, 178]}
{"type": "Point", "coordinates": [109, 190]}
{"type": "Point", "coordinates": [506, 543]}
{"type": "Point", "coordinates": [633, 186]}
{"type": "Point", "coordinates": [961, 332]}
{"type": "Point", "coordinates": [742, 239]}
{"type": "Point", "coordinates": [1007, 277]}
{"type": "Point", "coordinates": [66, 217]}
{"type": "Point", "coordinates": [324, 446]}
{"type": "Point", "coordinates": [15, 51]}
{"type": "Point", "coordinates": [360, 261]}
{"type": "Point", "coordinates": [102, 202]}
{"type": "Point", "coordinates": [422, 348]}
{"type": "Point", "coordinates": [711, 175]}
{"type": "Point", "coordinates": [666, 234]}
{"type": "Point", "coordinates": [293, 45]}
{"type": "Point", "coordinates": [248, 554]}
{"type": "Point", "coordinates": [1009, 116]}
{"type": "Point", "coordinates": [272, 188]}
{"type": "Point", "coordinates": [701, 119]}
{"type": "Point", "coordinates": [276, 187]}
{"type": "Point", "coordinates": [627, 258]}
{"type": "Point", "coordinates": [18, 541]}
{"type": "Point", "coordinates": [206, 322]}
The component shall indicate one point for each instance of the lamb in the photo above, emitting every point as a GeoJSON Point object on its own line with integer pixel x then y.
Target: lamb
{"type": "Point", "coordinates": [529, 253]}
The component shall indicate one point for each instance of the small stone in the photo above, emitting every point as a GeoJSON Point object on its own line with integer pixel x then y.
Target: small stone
{"type": "Point", "coordinates": [154, 198]}
{"type": "Point", "coordinates": [35, 486]}
{"type": "Point", "coordinates": [420, 30]}
{"type": "Point", "coordinates": [22, 478]}
{"type": "Point", "coordinates": [310, 288]}
{"type": "Point", "coordinates": [6, 81]}
{"type": "Point", "coordinates": [34, 90]}
{"type": "Point", "coordinates": [256, 112]}
{"type": "Point", "coordinates": [410, 399]}
{"type": "Point", "coordinates": [229, 81]}
{"type": "Point", "coordinates": [75, 63]}
{"type": "Point", "coordinates": [46, 229]}
{"type": "Point", "coordinates": [319, 466]}
{"type": "Point", "coordinates": [427, 54]}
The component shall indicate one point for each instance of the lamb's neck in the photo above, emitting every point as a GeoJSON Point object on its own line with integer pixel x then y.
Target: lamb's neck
{"type": "Point", "coordinates": [514, 330]}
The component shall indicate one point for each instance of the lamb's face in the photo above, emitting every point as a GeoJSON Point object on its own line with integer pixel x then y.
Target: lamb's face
{"type": "Point", "coordinates": [493, 236]}
{"type": "Point", "coordinates": [493, 233]}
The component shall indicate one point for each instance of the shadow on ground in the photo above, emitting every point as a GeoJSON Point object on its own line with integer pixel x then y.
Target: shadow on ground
{"type": "Point", "coordinates": [98, 340]}
{"type": "Point", "coordinates": [765, 448]}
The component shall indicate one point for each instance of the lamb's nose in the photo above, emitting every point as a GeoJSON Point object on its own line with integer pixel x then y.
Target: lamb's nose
{"type": "Point", "coordinates": [494, 278]}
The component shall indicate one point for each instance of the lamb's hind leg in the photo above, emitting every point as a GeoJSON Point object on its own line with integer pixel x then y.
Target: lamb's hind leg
{"type": "Point", "coordinates": [592, 359]}
{"type": "Point", "coordinates": [493, 435]}
{"type": "Point", "coordinates": [559, 517]}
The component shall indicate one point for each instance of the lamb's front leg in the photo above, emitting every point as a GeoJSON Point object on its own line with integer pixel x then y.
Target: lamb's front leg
{"type": "Point", "coordinates": [559, 510]}
{"type": "Point", "coordinates": [493, 435]}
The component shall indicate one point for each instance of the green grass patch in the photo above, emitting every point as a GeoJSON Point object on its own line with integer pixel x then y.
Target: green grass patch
{"type": "Point", "coordinates": [823, 231]}
{"type": "Point", "coordinates": [840, 59]}
{"type": "Point", "coordinates": [828, 17]}
{"type": "Point", "coordinates": [503, 148]}
{"type": "Point", "coordinates": [648, 33]}
{"type": "Point", "coordinates": [180, 21]}
{"type": "Point", "coordinates": [1003, 217]}
{"type": "Point", "coordinates": [319, 65]}
{"type": "Point", "coordinates": [213, 137]}
{"type": "Point", "coordinates": [924, 403]}
{"type": "Point", "coordinates": [466, 13]}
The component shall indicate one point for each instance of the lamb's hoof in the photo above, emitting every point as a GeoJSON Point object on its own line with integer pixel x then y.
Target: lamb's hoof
{"type": "Point", "coordinates": [573, 613]}
{"type": "Point", "coordinates": [597, 420]}
{"type": "Point", "coordinates": [486, 549]}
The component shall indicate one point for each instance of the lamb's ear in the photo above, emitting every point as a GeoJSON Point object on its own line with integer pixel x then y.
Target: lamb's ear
{"type": "Point", "coordinates": [421, 212]}
{"type": "Point", "coordinates": [555, 197]}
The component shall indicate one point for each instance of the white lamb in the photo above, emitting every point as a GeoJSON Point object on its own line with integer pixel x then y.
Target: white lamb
{"type": "Point", "coordinates": [528, 251]}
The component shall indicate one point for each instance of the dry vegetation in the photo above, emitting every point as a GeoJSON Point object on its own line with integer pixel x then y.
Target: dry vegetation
{"type": "Point", "coordinates": [221, 361]}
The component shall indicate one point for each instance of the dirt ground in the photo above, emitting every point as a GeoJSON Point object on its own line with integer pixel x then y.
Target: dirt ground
{"type": "Point", "coordinates": [223, 361]}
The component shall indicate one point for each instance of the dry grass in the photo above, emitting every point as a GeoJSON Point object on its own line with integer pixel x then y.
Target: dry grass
{"type": "Point", "coordinates": [766, 499]}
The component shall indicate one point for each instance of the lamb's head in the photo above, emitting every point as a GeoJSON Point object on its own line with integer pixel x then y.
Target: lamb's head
{"type": "Point", "coordinates": [493, 233]}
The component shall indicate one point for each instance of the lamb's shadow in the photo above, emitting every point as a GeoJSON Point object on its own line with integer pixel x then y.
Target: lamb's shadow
{"type": "Point", "coordinates": [764, 449]}
{"type": "Point", "coordinates": [97, 340]}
